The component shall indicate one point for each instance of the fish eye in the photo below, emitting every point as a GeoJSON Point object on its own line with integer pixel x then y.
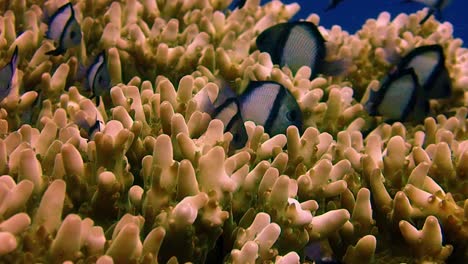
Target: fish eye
{"type": "Point", "coordinates": [291, 115]}
{"type": "Point", "coordinates": [72, 34]}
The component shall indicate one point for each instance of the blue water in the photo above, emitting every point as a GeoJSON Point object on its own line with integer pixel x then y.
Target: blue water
{"type": "Point", "coordinates": [351, 14]}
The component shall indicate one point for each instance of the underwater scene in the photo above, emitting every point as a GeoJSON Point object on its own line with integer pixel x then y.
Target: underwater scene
{"type": "Point", "coordinates": [232, 131]}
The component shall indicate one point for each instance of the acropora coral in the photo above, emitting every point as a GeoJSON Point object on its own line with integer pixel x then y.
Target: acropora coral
{"type": "Point", "coordinates": [155, 183]}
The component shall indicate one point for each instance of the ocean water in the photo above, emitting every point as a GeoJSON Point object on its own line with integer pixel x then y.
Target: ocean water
{"type": "Point", "coordinates": [352, 14]}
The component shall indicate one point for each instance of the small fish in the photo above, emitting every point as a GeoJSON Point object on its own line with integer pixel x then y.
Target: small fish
{"type": "Point", "coordinates": [428, 63]}
{"type": "Point", "coordinates": [266, 103]}
{"type": "Point", "coordinates": [333, 4]}
{"type": "Point", "coordinates": [91, 130]}
{"type": "Point", "coordinates": [270, 105]}
{"type": "Point", "coordinates": [98, 77]}
{"type": "Point", "coordinates": [64, 29]}
{"type": "Point", "coordinates": [400, 98]}
{"type": "Point", "coordinates": [96, 127]}
{"type": "Point", "coordinates": [435, 6]}
{"type": "Point", "coordinates": [296, 44]}
{"type": "Point", "coordinates": [6, 75]}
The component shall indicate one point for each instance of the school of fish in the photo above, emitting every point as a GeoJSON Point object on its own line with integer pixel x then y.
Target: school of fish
{"type": "Point", "coordinates": [419, 76]}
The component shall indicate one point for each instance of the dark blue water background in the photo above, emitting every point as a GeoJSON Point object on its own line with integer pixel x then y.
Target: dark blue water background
{"type": "Point", "coordinates": [352, 14]}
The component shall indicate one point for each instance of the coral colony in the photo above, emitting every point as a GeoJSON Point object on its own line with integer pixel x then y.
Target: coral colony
{"type": "Point", "coordinates": [108, 153]}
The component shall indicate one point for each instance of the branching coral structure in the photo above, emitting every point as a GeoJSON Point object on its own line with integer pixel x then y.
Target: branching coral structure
{"type": "Point", "coordinates": [147, 177]}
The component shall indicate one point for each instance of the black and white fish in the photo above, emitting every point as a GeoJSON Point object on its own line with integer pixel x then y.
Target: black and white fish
{"type": "Point", "coordinates": [297, 44]}
{"type": "Point", "coordinates": [89, 130]}
{"type": "Point", "coordinates": [6, 75]}
{"type": "Point", "coordinates": [400, 98]}
{"type": "Point", "coordinates": [270, 105]}
{"type": "Point", "coordinates": [64, 30]}
{"type": "Point", "coordinates": [333, 4]}
{"type": "Point", "coordinates": [266, 103]}
{"type": "Point", "coordinates": [435, 6]}
{"type": "Point", "coordinates": [98, 77]}
{"type": "Point", "coordinates": [96, 127]}
{"type": "Point", "coordinates": [428, 63]}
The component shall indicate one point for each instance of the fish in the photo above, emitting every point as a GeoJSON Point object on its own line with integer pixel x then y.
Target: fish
{"type": "Point", "coordinates": [333, 4]}
{"type": "Point", "coordinates": [296, 44]}
{"type": "Point", "coordinates": [400, 98]}
{"type": "Point", "coordinates": [428, 63]}
{"type": "Point", "coordinates": [237, 4]}
{"type": "Point", "coordinates": [98, 77]}
{"type": "Point", "coordinates": [6, 75]}
{"type": "Point", "coordinates": [270, 105]}
{"type": "Point", "coordinates": [435, 7]}
{"type": "Point", "coordinates": [313, 252]}
{"type": "Point", "coordinates": [91, 130]}
{"type": "Point", "coordinates": [96, 127]}
{"type": "Point", "coordinates": [64, 30]}
{"type": "Point", "coordinates": [265, 103]}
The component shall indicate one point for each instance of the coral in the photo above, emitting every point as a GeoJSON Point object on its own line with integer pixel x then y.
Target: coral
{"type": "Point", "coordinates": [157, 182]}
